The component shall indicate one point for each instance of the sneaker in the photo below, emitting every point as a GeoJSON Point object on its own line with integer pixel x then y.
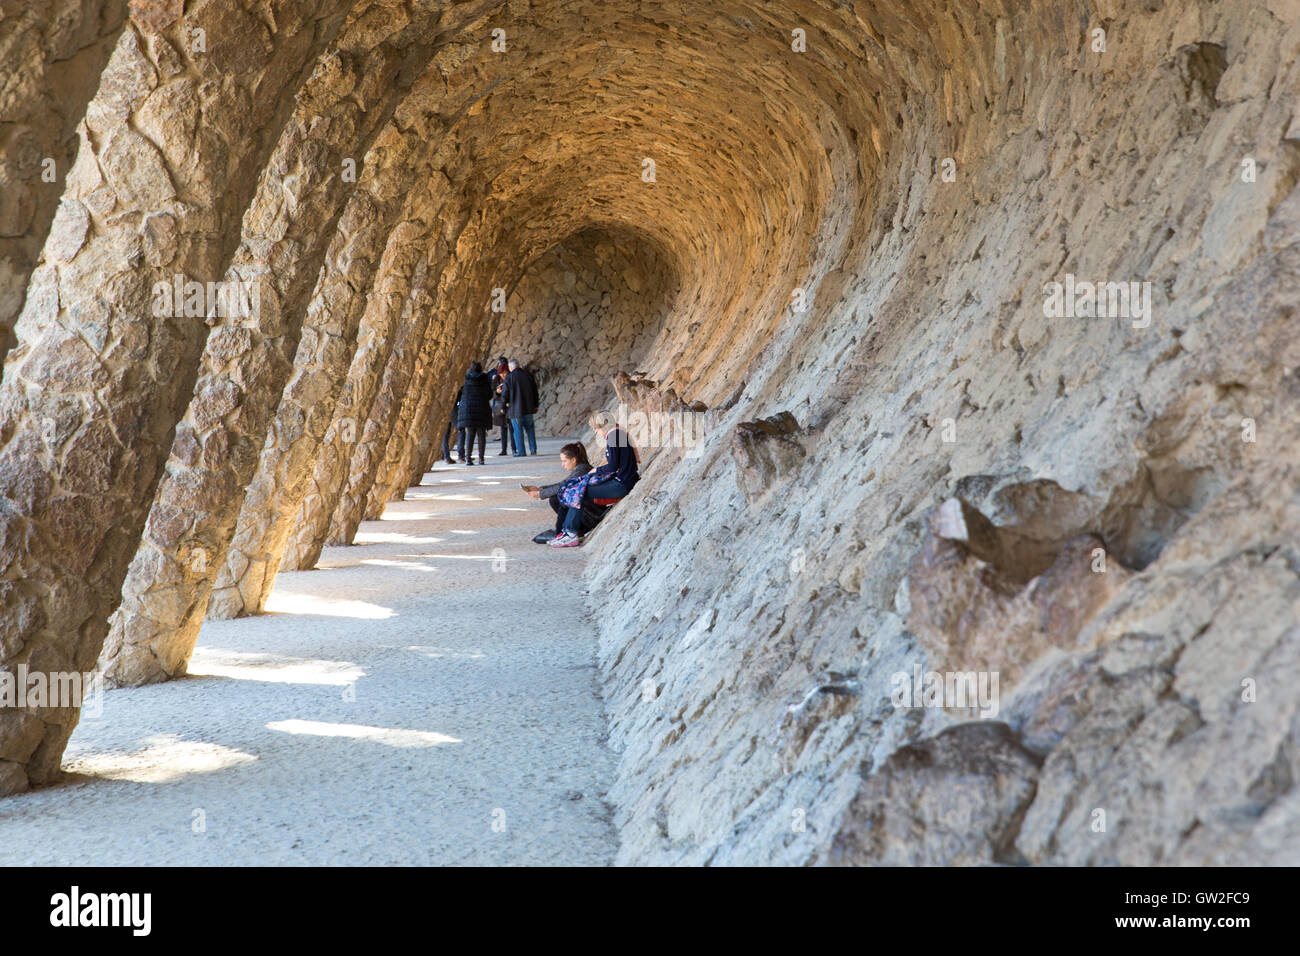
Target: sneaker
{"type": "Point", "coordinates": [566, 540]}
{"type": "Point", "coordinates": [546, 536]}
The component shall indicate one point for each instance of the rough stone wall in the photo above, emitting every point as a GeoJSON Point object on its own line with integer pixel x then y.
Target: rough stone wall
{"type": "Point", "coordinates": [97, 382]}
{"type": "Point", "coordinates": [246, 364]}
{"type": "Point", "coordinates": [955, 464]}
{"type": "Point", "coordinates": [589, 308]}
{"type": "Point", "coordinates": [51, 56]}
{"type": "Point", "coordinates": [824, 231]}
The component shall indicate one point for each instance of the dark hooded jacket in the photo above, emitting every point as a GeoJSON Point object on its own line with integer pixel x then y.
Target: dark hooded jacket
{"type": "Point", "coordinates": [520, 393]}
{"type": "Point", "coordinates": [620, 460]}
{"type": "Point", "coordinates": [498, 381]}
{"type": "Point", "coordinates": [475, 402]}
{"type": "Point", "coordinates": [455, 408]}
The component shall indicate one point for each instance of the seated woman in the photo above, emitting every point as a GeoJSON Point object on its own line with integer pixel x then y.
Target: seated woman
{"type": "Point", "coordinates": [614, 479]}
{"type": "Point", "coordinates": [574, 459]}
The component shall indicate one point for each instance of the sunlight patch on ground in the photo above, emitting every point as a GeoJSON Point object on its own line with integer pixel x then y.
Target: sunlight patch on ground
{"type": "Point", "coordinates": [462, 557]}
{"type": "Point", "coordinates": [393, 737]}
{"type": "Point", "coordinates": [434, 653]}
{"type": "Point", "coordinates": [404, 565]}
{"type": "Point", "coordinates": [239, 665]}
{"type": "Point", "coordinates": [393, 537]}
{"type": "Point", "coordinates": [282, 603]}
{"type": "Point", "coordinates": [164, 757]}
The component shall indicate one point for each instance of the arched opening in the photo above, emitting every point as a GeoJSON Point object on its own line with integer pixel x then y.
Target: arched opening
{"type": "Point", "coordinates": [825, 225]}
{"type": "Point", "coordinates": [589, 307]}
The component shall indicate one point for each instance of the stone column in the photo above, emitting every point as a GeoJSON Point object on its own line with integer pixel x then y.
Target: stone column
{"type": "Point", "coordinates": [99, 378]}
{"type": "Point", "coordinates": [390, 484]}
{"type": "Point", "coordinates": [368, 457]}
{"type": "Point", "coordinates": [305, 414]}
{"type": "Point", "coordinates": [410, 456]}
{"type": "Point", "coordinates": [58, 48]}
{"type": "Point", "coordinates": [379, 328]}
{"type": "Point", "coordinates": [245, 367]}
{"type": "Point", "coordinates": [413, 451]}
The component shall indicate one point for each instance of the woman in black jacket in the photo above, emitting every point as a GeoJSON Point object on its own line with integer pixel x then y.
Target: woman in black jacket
{"type": "Point", "coordinates": [475, 415]}
{"type": "Point", "coordinates": [451, 423]}
{"type": "Point", "coordinates": [498, 379]}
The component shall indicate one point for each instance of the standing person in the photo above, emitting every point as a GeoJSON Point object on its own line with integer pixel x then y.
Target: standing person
{"type": "Point", "coordinates": [451, 423]}
{"type": "Point", "coordinates": [573, 458]}
{"type": "Point", "coordinates": [499, 404]}
{"type": "Point", "coordinates": [521, 406]}
{"type": "Point", "coordinates": [475, 415]}
{"type": "Point", "coordinates": [614, 479]}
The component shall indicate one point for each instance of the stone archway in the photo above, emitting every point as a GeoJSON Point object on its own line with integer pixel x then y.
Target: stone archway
{"type": "Point", "coordinates": [588, 308]}
{"type": "Point", "coordinates": [827, 225]}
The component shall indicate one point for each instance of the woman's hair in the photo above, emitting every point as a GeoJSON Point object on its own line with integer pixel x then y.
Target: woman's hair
{"type": "Point", "coordinates": [576, 451]}
{"type": "Point", "coordinates": [476, 367]}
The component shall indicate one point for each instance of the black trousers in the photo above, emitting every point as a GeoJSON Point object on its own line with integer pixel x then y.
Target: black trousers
{"type": "Point", "coordinates": [446, 439]}
{"type": "Point", "coordinates": [591, 514]}
{"type": "Point", "coordinates": [467, 438]}
{"type": "Point", "coordinates": [507, 437]}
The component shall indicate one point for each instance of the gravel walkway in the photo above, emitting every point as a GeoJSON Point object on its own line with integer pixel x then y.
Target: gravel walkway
{"type": "Point", "coordinates": [426, 697]}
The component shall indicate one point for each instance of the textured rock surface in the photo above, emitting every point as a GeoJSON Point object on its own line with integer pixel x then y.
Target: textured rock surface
{"type": "Point", "coordinates": [244, 368]}
{"type": "Point", "coordinates": [96, 383]}
{"type": "Point", "coordinates": [588, 309]}
{"type": "Point", "coordinates": [51, 57]}
{"type": "Point", "coordinates": [828, 232]}
{"type": "Point", "coordinates": [1121, 690]}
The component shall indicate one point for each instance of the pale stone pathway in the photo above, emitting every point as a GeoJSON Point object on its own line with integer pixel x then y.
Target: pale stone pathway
{"type": "Point", "coordinates": [424, 698]}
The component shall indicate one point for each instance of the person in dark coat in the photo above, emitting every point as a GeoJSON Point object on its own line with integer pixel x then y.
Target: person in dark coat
{"type": "Point", "coordinates": [475, 414]}
{"type": "Point", "coordinates": [499, 405]}
{"type": "Point", "coordinates": [451, 423]}
{"type": "Point", "coordinates": [521, 406]}
{"type": "Point", "coordinates": [614, 479]}
{"type": "Point", "coordinates": [573, 457]}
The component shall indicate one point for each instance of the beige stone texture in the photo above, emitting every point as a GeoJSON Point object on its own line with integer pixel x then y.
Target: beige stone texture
{"type": "Point", "coordinates": [823, 234]}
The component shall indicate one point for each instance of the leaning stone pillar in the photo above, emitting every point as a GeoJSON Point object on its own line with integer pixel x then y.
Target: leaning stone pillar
{"type": "Point", "coordinates": [412, 452]}
{"type": "Point", "coordinates": [380, 325]}
{"type": "Point", "coordinates": [306, 412]}
{"type": "Point", "coordinates": [399, 441]}
{"type": "Point", "coordinates": [245, 366]}
{"type": "Point", "coordinates": [368, 457]}
{"type": "Point", "coordinates": [58, 48]}
{"type": "Point", "coordinates": [409, 451]}
{"type": "Point", "coordinates": [329, 478]}
{"type": "Point", "coordinates": [101, 373]}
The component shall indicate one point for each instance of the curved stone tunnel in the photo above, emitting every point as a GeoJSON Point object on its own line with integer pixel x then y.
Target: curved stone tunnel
{"type": "Point", "coordinates": [596, 301]}
{"type": "Point", "coordinates": [985, 312]}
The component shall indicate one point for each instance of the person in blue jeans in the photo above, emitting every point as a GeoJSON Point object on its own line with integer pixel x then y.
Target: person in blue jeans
{"type": "Point", "coordinates": [520, 394]}
{"type": "Point", "coordinates": [614, 479]}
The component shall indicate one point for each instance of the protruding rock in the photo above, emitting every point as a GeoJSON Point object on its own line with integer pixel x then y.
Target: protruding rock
{"type": "Point", "coordinates": [766, 452]}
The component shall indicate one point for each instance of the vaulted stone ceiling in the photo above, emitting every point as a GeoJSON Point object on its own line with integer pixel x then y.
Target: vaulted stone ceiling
{"type": "Point", "coordinates": [861, 204]}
